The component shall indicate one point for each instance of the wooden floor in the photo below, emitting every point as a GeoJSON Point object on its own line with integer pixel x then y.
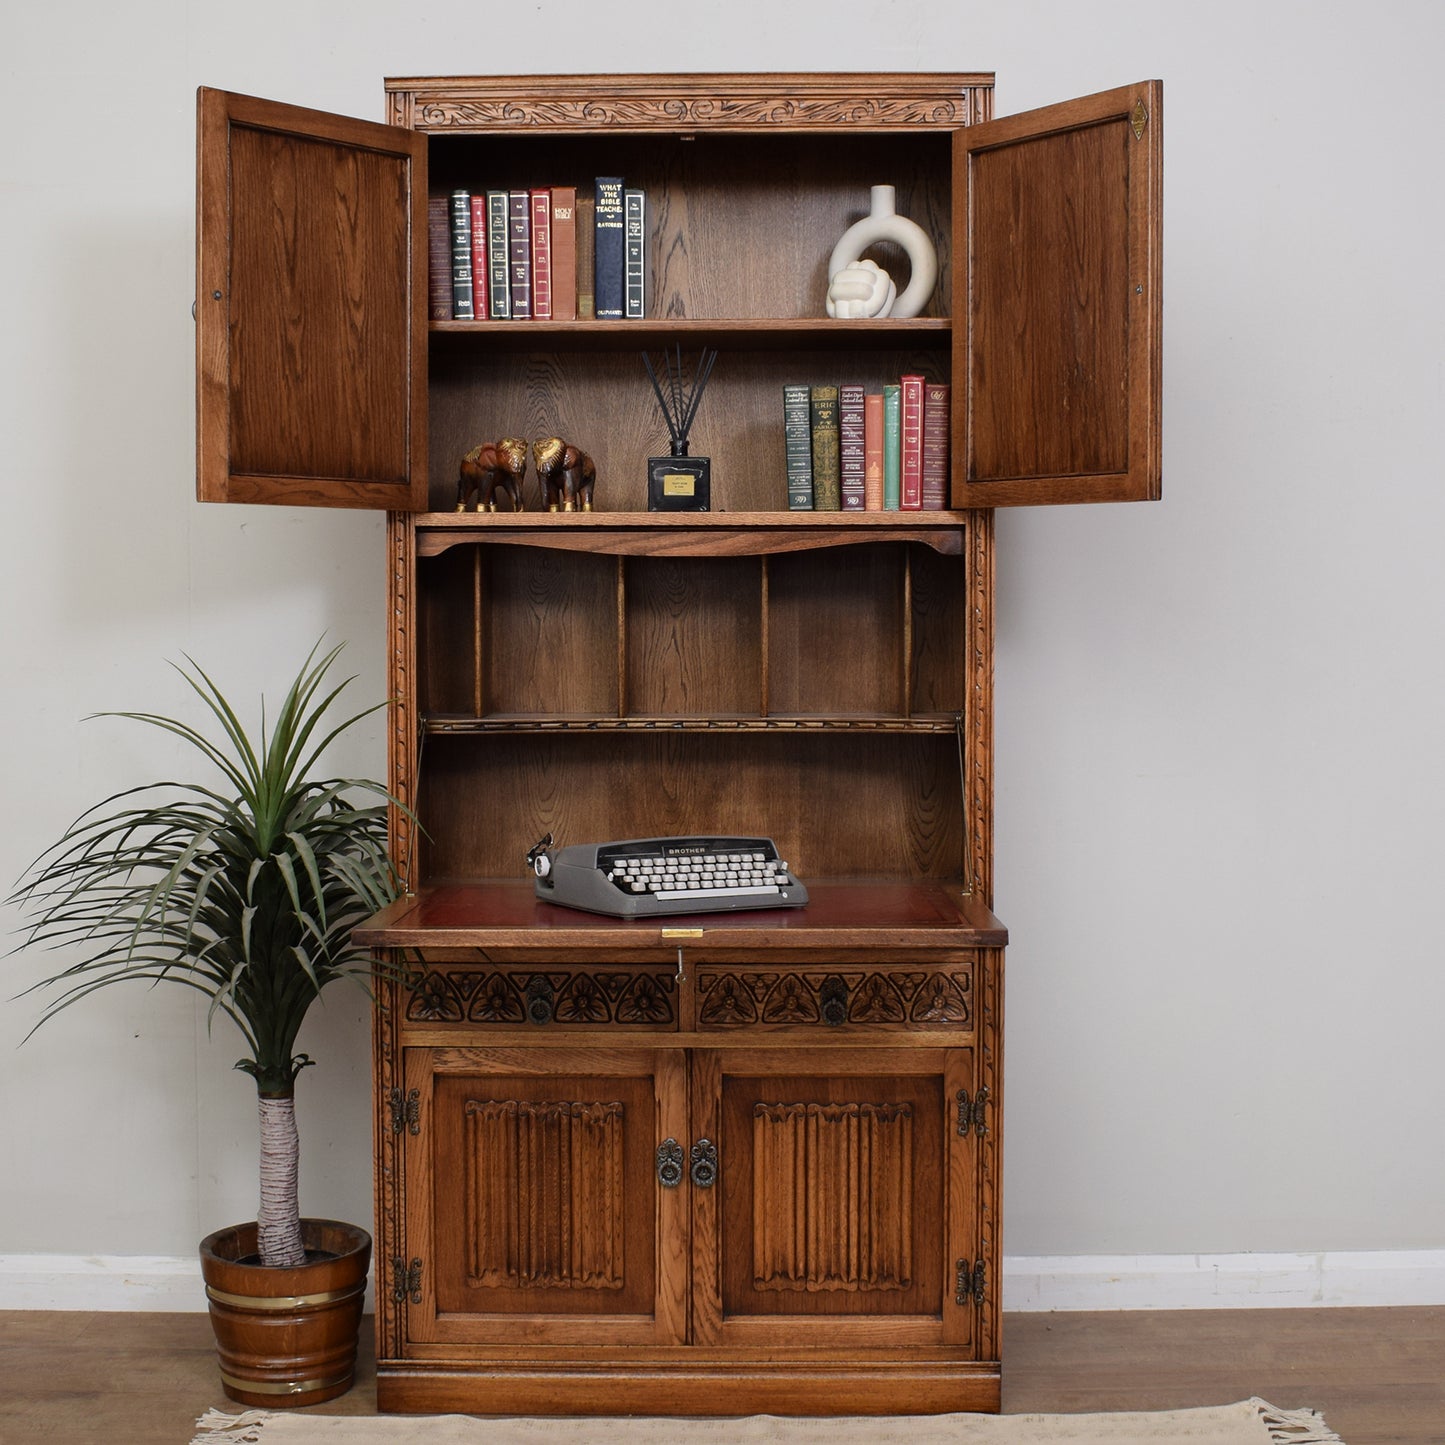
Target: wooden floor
{"type": "Point", "coordinates": [1378, 1375]}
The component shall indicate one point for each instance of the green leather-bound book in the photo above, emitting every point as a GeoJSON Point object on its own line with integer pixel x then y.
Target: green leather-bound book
{"type": "Point", "coordinates": [892, 440]}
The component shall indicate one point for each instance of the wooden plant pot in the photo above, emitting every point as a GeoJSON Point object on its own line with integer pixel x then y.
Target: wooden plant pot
{"type": "Point", "coordinates": [287, 1337]}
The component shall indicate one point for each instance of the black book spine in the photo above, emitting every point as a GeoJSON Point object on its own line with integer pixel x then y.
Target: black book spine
{"type": "Point", "coordinates": [635, 214]}
{"type": "Point", "coordinates": [462, 256]}
{"type": "Point", "coordinates": [519, 233]}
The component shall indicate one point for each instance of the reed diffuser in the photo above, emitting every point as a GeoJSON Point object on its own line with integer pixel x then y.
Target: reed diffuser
{"type": "Point", "coordinates": [679, 482]}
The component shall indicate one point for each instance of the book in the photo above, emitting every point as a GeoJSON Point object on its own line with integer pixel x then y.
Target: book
{"type": "Point", "coordinates": [499, 283]}
{"type": "Point", "coordinates": [461, 256]}
{"type": "Point", "coordinates": [823, 411]}
{"type": "Point", "coordinates": [798, 446]}
{"type": "Point", "coordinates": [586, 243]}
{"type": "Point", "coordinates": [892, 428]}
{"type": "Point", "coordinates": [480, 310]}
{"type": "Point", "coordinates": [519, 252]}
{"type": "Point", "coordinates": [910, 444]}
{"type": "Point", "coordinates": [634, 214]}
{"type": "Point", "coordinates": [609, 250]}
{"type": "Point", "coordinates": [542, 254]}
{"type": "Point", "coordinates": [564, 253]}
{"type": "Point", "coordinates": [851, 463]}
{"type": "Point", "coordinates": [934, 490]}
{"type": "Point", "coordinates": [439, 257]}
{"type": "Point", "coordinates": [873, 452]}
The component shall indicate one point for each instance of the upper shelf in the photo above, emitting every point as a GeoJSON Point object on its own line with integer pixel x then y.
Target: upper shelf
{"type": "Point", "coordinates": [695, 534]}
{"type": "Point", "coordinates": [752, 333]}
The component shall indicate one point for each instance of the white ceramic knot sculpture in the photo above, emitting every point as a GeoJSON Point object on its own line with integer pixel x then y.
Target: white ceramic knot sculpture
{"type": "Point", "coordinates": [882, 223]}
{"type": "Point", "coordinates": [861, 288]}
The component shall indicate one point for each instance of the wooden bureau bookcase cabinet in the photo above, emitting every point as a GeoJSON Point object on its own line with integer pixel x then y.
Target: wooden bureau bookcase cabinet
{"type": "Point", "coordinates": [717, 1163]}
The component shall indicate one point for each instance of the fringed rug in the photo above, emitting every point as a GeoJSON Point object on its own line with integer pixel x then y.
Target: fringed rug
{"type": "Point", "coordinates": [1250, 1422]}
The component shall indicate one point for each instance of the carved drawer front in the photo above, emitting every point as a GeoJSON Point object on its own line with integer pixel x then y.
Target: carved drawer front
{"type": "Point", "coordinates": [937, 993]}
{"type": "Point", "coordinates": [545, 996]}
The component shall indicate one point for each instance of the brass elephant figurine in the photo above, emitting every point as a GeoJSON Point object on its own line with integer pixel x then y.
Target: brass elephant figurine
{"type": "Point", "coordinates": [567, 475]}
{"type": "Point", "coordinates": [489, 469]}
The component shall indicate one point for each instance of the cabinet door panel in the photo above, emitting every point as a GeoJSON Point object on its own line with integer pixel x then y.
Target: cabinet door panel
{"type": "Point", "coordinates": [533, 1201]}
{"type": "Point", "coordinates": [311, 307]}
{"type": "Point", "coordinates": [1058, 218]}
{"type": "Point", "coordinates": [843, 1198]}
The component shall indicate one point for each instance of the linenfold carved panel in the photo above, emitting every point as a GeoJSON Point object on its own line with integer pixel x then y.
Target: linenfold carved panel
{"type": "Point", "coordinates": [832, 1196]}
{"type": "Point", "coordinates": [544, 1198]}
{"type": "Point", "coordinates": [736, 999]}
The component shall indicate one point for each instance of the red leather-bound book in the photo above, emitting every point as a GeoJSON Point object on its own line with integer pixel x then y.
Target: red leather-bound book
{"type": "Point", "coordinates": [910, 446]}
{"type": "Point", "coordinates": [935, 446]}
{"type": "Point", "coordinates": [480, 309]}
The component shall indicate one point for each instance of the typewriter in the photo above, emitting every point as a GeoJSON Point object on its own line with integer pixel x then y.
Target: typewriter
{"type": "Point", "coordinates": [653, 877]}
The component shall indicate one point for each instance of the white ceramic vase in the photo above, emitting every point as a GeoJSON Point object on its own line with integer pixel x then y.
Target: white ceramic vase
{"type": "Point", "coordinates": [883, 223]}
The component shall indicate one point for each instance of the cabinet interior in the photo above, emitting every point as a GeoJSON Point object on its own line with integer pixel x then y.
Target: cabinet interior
{"type": "Point", "coordinates": [795, 694]}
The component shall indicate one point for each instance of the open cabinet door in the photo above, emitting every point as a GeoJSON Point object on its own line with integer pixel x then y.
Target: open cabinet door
{"type": "Point", "coordinates": [1056, 244]}
{"type": "Point", "coordinates": [311, 319]}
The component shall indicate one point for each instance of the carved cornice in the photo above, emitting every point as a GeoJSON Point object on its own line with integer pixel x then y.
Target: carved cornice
{"type": "Point", "coordinates": [690, 102]}
{"type": "Point", "coordinates": [704, 113]}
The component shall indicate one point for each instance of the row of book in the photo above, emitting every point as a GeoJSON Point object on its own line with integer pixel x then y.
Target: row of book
{"type": "Point", "coordinates": [545, 253]}
{"type": "Point", "coordinates": [852, 450]}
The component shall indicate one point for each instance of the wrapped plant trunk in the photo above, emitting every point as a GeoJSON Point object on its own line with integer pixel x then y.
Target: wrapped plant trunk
{"type": "Point", "coordinates": [278, 1216]}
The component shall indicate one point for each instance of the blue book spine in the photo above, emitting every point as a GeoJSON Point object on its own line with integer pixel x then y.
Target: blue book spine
{"type": "Point", "coordinates": [798, 446]}
{"type": "Point", "coordinates": [610, 249]}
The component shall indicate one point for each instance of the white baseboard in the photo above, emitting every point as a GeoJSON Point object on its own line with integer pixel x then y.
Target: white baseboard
{"type": "Point", "coordinates": [1224, 1281]}
{"type": "Point", "coordinates": [104, 1282]}
{"type": "Point", "coordinates": [1052, 1282]}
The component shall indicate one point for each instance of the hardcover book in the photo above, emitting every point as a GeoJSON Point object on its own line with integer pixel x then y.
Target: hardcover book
{"type": "Point", "coordinates": [439, 257]}
{"type": "Point", "coordinates": [499, 281]}
{"type": "Point", "coordinates": [542, 254]}
{"type": "Point", "coordinates": [798, 446]}
{"type": "Point", "coordinates": [564, 253]}
{"type": "Point", "coordinates": [462, 256]}
{"type": "Point", "coordinates": [519, 254]}
{"type": "Point", "coordinates": [851, 463]}
{"type": "Point", "coordinates": [586, 244]}
{"type": "Point", "coordinates": [892, 431]}
{"type": "Point", "coordinates": [910, 444]}
{"type": "Point", "coordinates": [935, 446]}
{"type": "Point", "coordinates": [873, 452]}
{"type": "Point", "coordinates": [609, 248]}
{"type": "Point", "coordinates": [823, 406]}
{"type": "Point", "coordinates": [634, 206]}
{"type": "Point", "coordinates": [480, 310]}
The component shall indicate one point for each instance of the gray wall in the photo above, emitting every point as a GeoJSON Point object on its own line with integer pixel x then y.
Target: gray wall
{"type": "Point", "coordinates": [1219, 772]}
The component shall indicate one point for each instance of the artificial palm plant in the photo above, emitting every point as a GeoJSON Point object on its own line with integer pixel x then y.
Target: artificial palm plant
{"type": "Point", "coordinates": [246, 890]}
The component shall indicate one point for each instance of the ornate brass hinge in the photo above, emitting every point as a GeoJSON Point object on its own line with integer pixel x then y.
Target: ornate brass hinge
{"type": "Point", "coordinates": [971, 1114]}
{"type": "Point", "coordinates": [970, 1283]}
{"type": "Point", "coordinates": [1139, 119]}
{"type": "Point", "coordinates": [406, 1280]}
{"type": "Point", "coordinates": [405, 1111]}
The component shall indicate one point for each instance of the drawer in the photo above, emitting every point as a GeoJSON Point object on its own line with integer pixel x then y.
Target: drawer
{"type": "Point", "coordinates": [556, 996]}
{"type": "Point", "coordinates": [937, 993]}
